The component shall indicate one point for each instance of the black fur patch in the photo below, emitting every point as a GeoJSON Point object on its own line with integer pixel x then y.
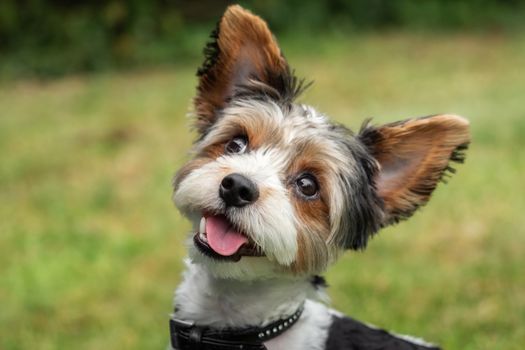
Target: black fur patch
{"type": "Point", "coordinates": [365, 208]}
{"type": "Point", "coordinates": [457, 156]}
{"type": "Point", "coordinates": [319, 282]}
{"type": "Point", "coordinates": [346, 333]}
{"type": "Point", "coordinates": [211, 52]}
{"type": "Point", "coordinates": [283, 88]}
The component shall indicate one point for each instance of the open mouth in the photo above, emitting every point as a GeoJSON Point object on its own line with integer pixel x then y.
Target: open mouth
{"type": "Point", "coordinates": [219, 239]}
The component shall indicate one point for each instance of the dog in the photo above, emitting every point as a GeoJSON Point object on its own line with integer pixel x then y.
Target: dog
{"type": "Point", "coordinates": [276, 193]}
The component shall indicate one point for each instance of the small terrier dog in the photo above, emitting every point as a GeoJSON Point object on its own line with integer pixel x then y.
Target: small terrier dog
{"type": "Point", "coordinates": [276, 192]}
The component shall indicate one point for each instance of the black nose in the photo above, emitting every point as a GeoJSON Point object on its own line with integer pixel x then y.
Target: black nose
{"type": "Point", "coordinates": [237, 190]}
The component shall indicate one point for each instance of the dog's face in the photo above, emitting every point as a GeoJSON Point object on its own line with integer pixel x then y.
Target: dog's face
{"type": "Point", "coordinates": [276, 188]}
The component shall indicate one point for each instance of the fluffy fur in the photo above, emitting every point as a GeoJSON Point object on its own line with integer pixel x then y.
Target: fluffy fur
{"type": "Point", "coordinates": [362, 181]}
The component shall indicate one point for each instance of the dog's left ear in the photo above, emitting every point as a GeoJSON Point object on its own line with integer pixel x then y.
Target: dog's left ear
{"type": "Point", "coordinates": [242, 50]}
{"type": "Point", "coordinates": [413, 156]}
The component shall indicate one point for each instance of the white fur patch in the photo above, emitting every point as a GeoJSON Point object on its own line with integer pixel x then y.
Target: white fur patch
{"type": "Point", "coordinates": [218, 302]}
{"type": "Point", "coordinates": [269, 222]}
{"type": "Point", "coordinates": [413, 340]}
{"type": "Point", "coordinates": [310, 332]}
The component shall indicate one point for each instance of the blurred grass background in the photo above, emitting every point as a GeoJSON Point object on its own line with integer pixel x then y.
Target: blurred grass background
{"type": "Point", "coordinates": [91, 245]}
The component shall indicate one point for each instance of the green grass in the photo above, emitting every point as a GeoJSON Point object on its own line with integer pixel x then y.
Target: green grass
{"type": "Point", "coordinates": [91, 245]}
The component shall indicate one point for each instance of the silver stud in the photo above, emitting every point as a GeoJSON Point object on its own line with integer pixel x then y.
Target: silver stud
{"type": "Point", "coordinates": [274, 330]}
{"type": "Point", "coordinates": [268, 332]}
{"type": "Point", "coordinates": [280, 326]}
{"type": "Point", "coordinates": [261, 335]}
{"type": "Point", "coordinates": [290, 320]}
{"type": "Point", "coordinates": [286, 323]}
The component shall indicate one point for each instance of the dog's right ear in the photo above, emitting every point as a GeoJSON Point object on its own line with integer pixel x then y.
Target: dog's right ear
{"type": "Point", "coordinates": [242, 50]}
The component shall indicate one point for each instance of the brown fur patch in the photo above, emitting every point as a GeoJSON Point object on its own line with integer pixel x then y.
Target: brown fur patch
{"type": "Point", "coordinates": [413, 156]}
{"type": "Point", "coordinates": [213, 151]}
{"type": "Point", "coordinates": [312, 255]}
{"type": "Point", "coordinates": [259, 130]}
{"type": "Point", "coordinates": [313, 215]}
{"type": "Point", "coordinates": [188, 168]}
{"type": "Point", "coordinates": [244, 48]}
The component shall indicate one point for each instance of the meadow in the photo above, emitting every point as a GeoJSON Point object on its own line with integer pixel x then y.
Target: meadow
{"type": "Point", "coordinates": [91, 246]}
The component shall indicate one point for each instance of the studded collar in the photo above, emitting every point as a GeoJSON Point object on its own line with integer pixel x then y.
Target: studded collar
{"type": "Point", "coordinates": [189, 336]}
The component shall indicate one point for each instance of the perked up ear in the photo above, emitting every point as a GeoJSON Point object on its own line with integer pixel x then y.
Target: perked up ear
{"type": "Point", "coordinates": [242, 50]}
{"type": "Point", "coordinates": [413, 156]}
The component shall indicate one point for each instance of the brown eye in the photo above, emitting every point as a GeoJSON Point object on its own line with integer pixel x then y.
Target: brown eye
{"type": "Point", "coordinates": [237, 145]}
{"type": "Point", "coordinates": [307, 185]}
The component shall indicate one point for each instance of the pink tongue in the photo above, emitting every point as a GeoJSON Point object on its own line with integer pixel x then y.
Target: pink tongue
{"type": "Point", "coordinates": [222, 237]}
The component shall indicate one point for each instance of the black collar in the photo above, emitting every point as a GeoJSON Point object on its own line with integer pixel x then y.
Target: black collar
{"type": "Point", "coordinates": [189, 336]}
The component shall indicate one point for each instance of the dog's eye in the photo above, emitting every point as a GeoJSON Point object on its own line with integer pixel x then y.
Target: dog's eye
{"type": "Point", "coordinates": [307, 185]}
{"type": "Point", "coordinates": [237, 145]}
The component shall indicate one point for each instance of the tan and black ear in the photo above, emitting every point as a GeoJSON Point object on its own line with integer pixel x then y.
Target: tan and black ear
{"type": "Point", "coordinates": [242, 49]}
{"type": "Point", "coordinates": [413, 156]}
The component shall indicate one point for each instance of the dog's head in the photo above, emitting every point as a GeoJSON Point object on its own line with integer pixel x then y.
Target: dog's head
{"type": "Point", "coordinates": [275, 187]}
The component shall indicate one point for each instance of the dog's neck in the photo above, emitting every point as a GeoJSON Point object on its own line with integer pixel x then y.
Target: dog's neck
{"type": "Point", "coordinates": [222, 303]}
